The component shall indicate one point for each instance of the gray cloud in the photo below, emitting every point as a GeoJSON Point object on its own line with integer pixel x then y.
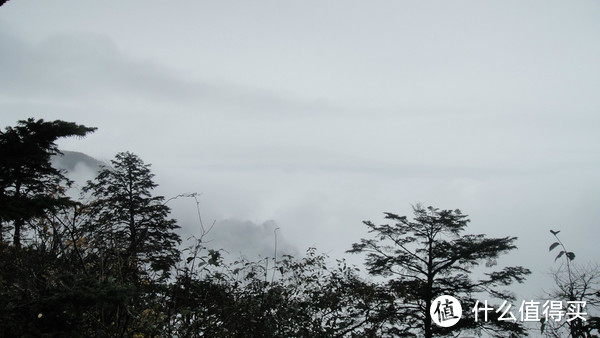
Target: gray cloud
{"type": "Point", "coordinates": [82, 68]}
{"type": "Point", "coordinates": [244, 238]}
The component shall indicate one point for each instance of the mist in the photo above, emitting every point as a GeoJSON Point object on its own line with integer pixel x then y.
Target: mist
{"type": "Point", "coordinates": [296, 122]}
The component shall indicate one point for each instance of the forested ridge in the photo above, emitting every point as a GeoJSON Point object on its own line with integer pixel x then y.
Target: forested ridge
{"type": "Point", "coordinates": [111, 263]}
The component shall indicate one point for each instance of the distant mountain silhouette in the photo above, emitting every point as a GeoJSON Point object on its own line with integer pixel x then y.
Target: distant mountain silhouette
{"type": "Point", "coordinates": [71, 159]}
{"type": "Point", "coordinates": [237, 237]}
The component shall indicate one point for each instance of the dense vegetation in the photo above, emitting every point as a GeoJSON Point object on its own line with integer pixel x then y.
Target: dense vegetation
{"type": "Point", "coordinates": [110, 264]}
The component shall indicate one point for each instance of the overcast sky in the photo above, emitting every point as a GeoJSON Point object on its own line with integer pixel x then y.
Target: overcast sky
{"type": "Point", "coordinates": [313, 116]}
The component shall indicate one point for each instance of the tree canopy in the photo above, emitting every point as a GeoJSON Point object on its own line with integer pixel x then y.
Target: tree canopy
{"type": "Point", "coordinates": [29, 184]}
{"type": "Point", "coordinates": [430, 256]}
{"type": "Point", "coordinates": [129, 220]}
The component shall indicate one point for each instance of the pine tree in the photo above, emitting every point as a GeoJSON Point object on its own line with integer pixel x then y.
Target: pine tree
{"type": "Point", "coordinates": [29, 185]}
{"type": "Point", "coordinates": [429, 257]}
{"type": "Point", "coordinates": [130, 224]}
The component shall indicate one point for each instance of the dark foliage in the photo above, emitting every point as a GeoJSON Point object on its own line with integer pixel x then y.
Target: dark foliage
{"type": "Point", "coordinates": [574, 283]}
{"type": "Point", "coordinates": [109, 265]}
{"type": "Point", "coordinates": [29, 185]}
{"type": "Point", "coordinates": [428, 257]}
{"type": "Point", "coordinates": [130, 224]}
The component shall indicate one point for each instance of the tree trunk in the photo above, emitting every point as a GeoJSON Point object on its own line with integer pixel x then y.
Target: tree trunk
{"type": "Point", "coordinates": [17, 234]}
{"type": "Point", "coordinates": [18, 222]}
{"type": "Point", "coordinates": [429, 290]}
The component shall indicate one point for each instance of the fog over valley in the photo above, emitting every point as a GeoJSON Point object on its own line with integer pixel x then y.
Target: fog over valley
{"type": "Point", "coordinates": [291, 123]}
